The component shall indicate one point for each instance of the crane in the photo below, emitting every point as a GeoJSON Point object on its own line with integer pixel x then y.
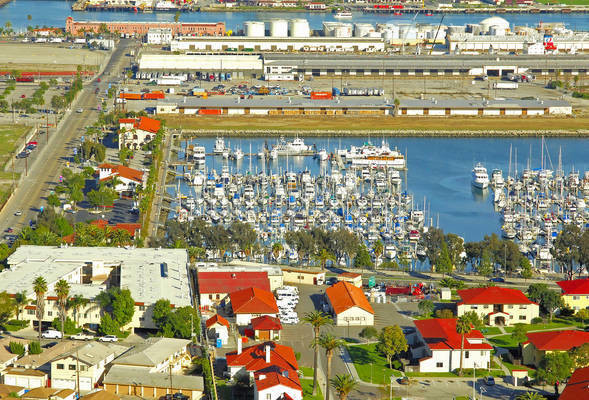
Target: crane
{"type": "Point", "coordinates": [436, 36]}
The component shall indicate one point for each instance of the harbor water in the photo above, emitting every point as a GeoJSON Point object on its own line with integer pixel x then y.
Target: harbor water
{"type": "Point", "coordinates": [438, 169]}
{"type": "Point", "coordinates": [54, 13]}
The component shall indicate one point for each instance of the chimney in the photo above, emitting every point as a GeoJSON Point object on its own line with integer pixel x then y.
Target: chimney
{"type": "Point", "coordinates": [267, 354]}
{"type": "Point", "coordinates": [239, 345]}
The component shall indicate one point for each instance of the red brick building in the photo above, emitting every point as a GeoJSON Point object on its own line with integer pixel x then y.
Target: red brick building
{"type": "Point", "coordinates": [140, 28]}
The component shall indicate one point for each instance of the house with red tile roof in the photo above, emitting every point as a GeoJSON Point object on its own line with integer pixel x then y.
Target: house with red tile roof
{"type": "Point", "coordinates": [577, 387]}
{"type": "Point", "coordinates": [351, 277]}
{"type": "Point", "coordinates": [273, 368]}
{"type": "Point", "coordinates": [129, 179]}
{"type": "Point", "coordinates": [575, 293]}
{"type": "Point", "coordinates": [435, 346]}
{"type": "Point", "coordinates": [251, 303]}
{"type": "Point", "coordinates": [497, 305]}
{"type": "Point", "coordinates": [349, 305]}
{"type": "Point", "coordinates": [214, 286]}
{"type": "Point", "coordinates": [266, 328]}
{"type": "Point", "coordinates": [218, 328]}
{"type": "Point", "coordinates": [541, 343]}
{"type": "Point", "coordinates": [135, 132]}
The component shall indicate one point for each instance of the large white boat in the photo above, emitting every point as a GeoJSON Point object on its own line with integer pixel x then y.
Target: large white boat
{"type": "Point", "coordinates": [480, 177]}
{"type": "Point", "coordinates": [199, 156]}
{"type": "Point", "coordinates": [165, 6]}
{"type": "Point", "coordinates": [343, 15]}
{"type": "Point", "coordinates": [296, 147]}
{"type": "Point", "coordinates": [369, 155]}
{"type": "Point", "coordinates": [219, 146]}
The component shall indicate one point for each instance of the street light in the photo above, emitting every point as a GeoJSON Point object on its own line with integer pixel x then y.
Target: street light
{"type": "Point", "coordinates": [391, 388]}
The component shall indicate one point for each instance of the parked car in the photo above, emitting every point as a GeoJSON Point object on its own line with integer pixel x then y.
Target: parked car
{"type": "Point", "coordinates": [51, 334]}
{"type": "Point", "coordinates": [81, 336]}
{"type": "Point", "coordinates": [403, 381]}
{"type": "Point", "coordinates": [489, 381]}
{"type": "Point", "coordinates": [108, 338]}
{"type": "Point", "coordinates": [80, 110]}
{"type": "Point", "coordinates": [18, 213]}
{"type": "Point", "coordinates": [497, 279]}
{"type": "Point", "coordinates": [23, 154]}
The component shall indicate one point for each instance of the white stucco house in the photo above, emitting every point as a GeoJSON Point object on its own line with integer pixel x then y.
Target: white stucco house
{"type": "Point", "coordinates": [218, 328]}
{"type": "Point", "coordinates": [498, 306]}
{"type": "Point", "coordinates": [349, 305]}
{"type": "Point", "coordinates": [435, 346]}
{"type": "Point", "coordinates": [252, 303]}
{"type": "Point", "coordinates": [129, 179]}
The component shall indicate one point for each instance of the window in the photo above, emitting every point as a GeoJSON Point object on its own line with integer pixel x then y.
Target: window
{"type": "Point", "coordinates": [439, 365]}
{"type": "Point", "coordinates": [522, 317]}
{"type": "Point", "coordinates": [49, 313]}
{"type": "Point", "coordinates": [210, 297]}
{"type": "Point", "coordinates": [510, 306]}
{"type": "Point", "coordinates": [72, 367]}
{"type": "Point", "coordinates": [473, 307]}
{"type": "Point", "coordinates": [486, 306]}
{"type": "Point", "coordinates": [466, 354]}
{"type": "Point", "coordinates": [141, 319]}
{"type": "Point", "coordinates": [523, 307]}
{"type": "Point", "coordinates": [82, 368]}
{"type": "Point", "coordinates": [59, 366]}
{"type": "Point", "coordinates": [31, 312]}
{"type": "Point", "coordinates": [482, 353]}
{"type": "Point", "coordinates": [268, 396]}
{"type": "Point", "coordinates": [141, 308]}
{"type": "Point", "coordinates": [575, 297]}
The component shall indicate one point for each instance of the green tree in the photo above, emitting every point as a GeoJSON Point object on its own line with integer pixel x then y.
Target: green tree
{"type": "Point", "coordinates": [362, 259]}
{"type": "Point", "coordinates": [343, 385]}
{"type": "Point", "coordinates": [62, 289]}
{"type": "Point", "coordinates": [57, 102]}
{"type": "Point", "coordinates": [463, 328]}
{"type": "Point", "coordinates": [53, 200]}
{"type": "Point", "coordinates": [323, 257]}
{"type": "Point", "coordinates": [455, 246]}
{"type": "Point", "coordinates": [177, 16]}
{"type": "Point", "coordinates": [526, 267]}
{"type": "Point", "coordinates": [426, 307]}
{"type": "Point", "coordinates": [108, 326]}
{"type": "Point", "coordinates": [444, 265]}
{"type": "Point", "coordinates": [485, 268]}
{"type": "Point", "coordinates": [432, 241]}
{"type": "Point", "coordinates": [119, 304]}
{"type": "Point", "coordinates": [368, 332]}
{"type": "Point", "coordinates": [35, 347]}
{"type": "Point", "coordinates": [551, 301]}
{"type": "Point", "coordinates": [40, 288]}
{"type": "Point", "coordinates": [391, 343]}
{"type": "Point", "coordinates": [474, 318]}
{"type": "Point", "coordinates": [76, 303]}
{"type": "Point", "coordinates": [76, 195]}
{"type": "Point", "coordinates": [580, 355]}
{"type": "Point", "coordinates": [565, 249]}
{"type": "Point", "coordinates": [7, 308]}
{"type": "Point", "coordinates": [519, 333]}
{"type": "Point", "coordinates": [554, 367]}
{"type": "Point", "coordinates": [329, 343]}
{"type": "Point", "coordinates": [20, 301]}
{"type": "Point", "coordinates": [444, 313]}
{"type": "Point", "coordinates": [531, 396]}
{"type": "Point", "coordinates": [161, 312]}
{"type": "Point", "coordinates": [277, 250]}
{"type": "Point", "coordinates": [378, 250]}
{"type": "Point", "coordinates": [583, 315]}
{"type": "Point", "coordinates": [316, 319]}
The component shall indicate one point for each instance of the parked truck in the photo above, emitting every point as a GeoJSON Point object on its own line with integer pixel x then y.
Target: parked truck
{"type": "Point", "coordinates": [505, 85]}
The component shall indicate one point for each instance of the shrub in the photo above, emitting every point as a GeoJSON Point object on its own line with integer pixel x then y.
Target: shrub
{"type": "Point", "coordinates": [35, 348]}
{"type": "Point", "coordinates": [537, 320]}
{"type": "Point", "coordinates": [566, 312]}
{"type": "Point", "coordinates": [444, 313]}
{"type": "Point", "coordinates": [298, 355]}
{"type": "Point", "coordinates": [69, 326]}
{"type": "Point", "coordinates": [17, 348]}
{"type": "Point", "coordinates": [368, 332]}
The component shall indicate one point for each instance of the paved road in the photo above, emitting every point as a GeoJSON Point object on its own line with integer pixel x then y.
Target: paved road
{"type": "Point", "coordinates": [45, 171]}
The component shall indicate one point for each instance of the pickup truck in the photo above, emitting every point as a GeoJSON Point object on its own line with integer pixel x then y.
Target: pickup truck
{"type": "Point", "coordinates": [81, 336]}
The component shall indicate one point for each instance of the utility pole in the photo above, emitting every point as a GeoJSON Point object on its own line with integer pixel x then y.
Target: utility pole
{"type": "Point", "coordinates": [77, 372]}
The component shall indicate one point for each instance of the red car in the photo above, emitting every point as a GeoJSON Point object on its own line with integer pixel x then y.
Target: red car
{"type": "Point", "coordinates": [22, 96]}
{"type": "Point", "coordinates": [33, 143]}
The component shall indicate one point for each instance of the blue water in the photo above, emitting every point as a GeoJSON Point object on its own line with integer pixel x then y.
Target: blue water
{"type": "Point", "coordinates": [439, 169]}
{"type": "Point", "coordinates": [54, 13]}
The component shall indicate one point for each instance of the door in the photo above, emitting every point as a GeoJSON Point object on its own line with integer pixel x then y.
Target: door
{"type": "Point", "coordinates": [85, 383]}
{"type": "Point", "coordinates": [264, 335]}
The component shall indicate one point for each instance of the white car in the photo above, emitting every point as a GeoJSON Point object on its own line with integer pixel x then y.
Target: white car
{"type": "Point", "coordinates": [51, 334]}
{"type": "Point", "coordinates": [108, 338]}
{"type": "Point", "coordinates": [81, 336]}
{"type": "Point", "coordinates": [80, 110]}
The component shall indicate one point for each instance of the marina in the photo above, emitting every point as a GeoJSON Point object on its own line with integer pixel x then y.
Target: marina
{"type": "Point", "coordinates": [394, 206]}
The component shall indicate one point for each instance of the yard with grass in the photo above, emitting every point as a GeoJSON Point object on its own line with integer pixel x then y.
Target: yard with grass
{"type": "Point", "coordinates": [466, 373]}
{"type": "Point", "coordinates": [396, 126]}
{"type": "Point", "coordinates": [490, 330]}
{"type": "Point", "coordinates": [370, 364]}
{"type": "Point", "coordinates": [11, 136]}
{"type": "Point", "coordinates": [307, 385]}
{"type": "Point", "coordinates": [511, 367]}
{"type": "Point", "coordinates": [506, 341]}
{"type": "Point", "coordinates": [307, 371]}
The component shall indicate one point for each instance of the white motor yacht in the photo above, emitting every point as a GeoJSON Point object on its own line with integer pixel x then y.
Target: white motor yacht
{"type": "Point", "coordinates": [219, 146]}
{"type": "Point", "coordinates": [480, 178]}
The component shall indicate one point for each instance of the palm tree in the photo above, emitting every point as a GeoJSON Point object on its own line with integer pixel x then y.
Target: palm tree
{"type": "Point", "coordinates": [378, 249]}
{"type": "Point", "coordinates": [316, 319]}
{"type": "Point", "coordinates": [62, 289]}
{"type": "Point", "coordinates": [329, 343]}
{"type": "Point", "coordinates": [323, 257]}
{"type": "Point", "coordinates": [343, 385]}
{"type": "Point", "coordinates": [75, 303]}
{"type": "Point", "coordinates": [40, 288]}
{"type": "Point", "coordinates": [463, 328]}
{"type": "Point", "coordinates": [531, 396]}
{"type": "Point", "coordinates": [277, 249]}
{"type": "Point", "coordinates": [21, 300]}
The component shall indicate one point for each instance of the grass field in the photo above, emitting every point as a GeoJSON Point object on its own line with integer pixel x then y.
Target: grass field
{"type": "Point", "coordinates": [280, 124]}
{"type": "Point", "coordinates": [370, 364]}
{"type": "Point", "coordinates": [307, 385]}
{"type": "Point", "coordinates": [10, 138]}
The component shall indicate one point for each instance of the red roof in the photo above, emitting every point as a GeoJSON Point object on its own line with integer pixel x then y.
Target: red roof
{"type": "Point", "coordinates": [266, 323]}
{"type": "Point", "coordinates": [576, 286]}
{"type": "Point", "coordinates": [217, 319]}
{"type": "Point", "coordinates": [124, 172]}
{"type": "Point", "coordinates": [253, 358]}
{"type": "Point", "coordinates": [577, 387]}
{"type": "Point", "coordinates": [101, 223]}
{"type": "Point", "coordinates": [131, 227]}
{"type": "Point", "coordinates": [287, 378]}
{"type": "Point", "coordinates": [227, 282]}
{"type": "Point", "coordinates": [344, 295]}
{"type": "Point", "coordinates": [349, 275]}
{"type": "Point", "coordinates": [440, 334]}
{"type": "Point", "coordinates": [493, 295]}
{"type": "Point", "coordinates": [558, 340]}
{"type": "Point", "coordinates": [126, 120]}
{"type": "Point", "coordinates": [253, 301]}
{"type": "Point", "coordinates": [148, 124]}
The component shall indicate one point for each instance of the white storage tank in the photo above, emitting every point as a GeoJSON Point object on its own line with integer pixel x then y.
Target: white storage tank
{"type": "Point", "coordinates": [299, 28]}
{"type": "Point", "coordinates": [343, 31]}
{"type": "Point", "coordinates": [497, 31]}
{"type": "Point", "coordinates": [362, 30]}
{"type": "Point", "coordinates": [329, 28]}
{"type": "Point", "coordinates": [374, 35]}
{"type": "Point", "coordinates": [279, 28]}
{"type": "Point", "coordinates": [255, 29]}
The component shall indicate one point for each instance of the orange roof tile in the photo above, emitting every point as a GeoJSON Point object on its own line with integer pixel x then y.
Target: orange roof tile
{"type": "Point", "coordinates": [349, 275]}
{"type": "Point", "coordinates": [575, 286]}
{"type": "Point", "coordinates": [217, 319]}
{"type": "Point", "coordinates": [440, 334]}
{"type": "Point", "coordinates": [253, 358]}
{"type": "Point", "coordinates": [287, 378]}
{"type": "Point", "coordinates": [123, 171]}
{"type": "Point", "coordinates": [558, 340]}
{"type": "Point", "coordinates": [577, 387]}
{"type": "Point", "coordinates": [253, 301]}
{"type": "Point", "coordinates": [344, 295]}
{"type": "Point", "coordinates": [493, 295]}
{"type": "Point", "coordinates": [266, 323]}
{"type": "Point", "coordinates": [148, 124]}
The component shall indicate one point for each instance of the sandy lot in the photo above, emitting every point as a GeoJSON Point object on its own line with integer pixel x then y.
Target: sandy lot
{"type": "Point", "coordinates": [41, 56]}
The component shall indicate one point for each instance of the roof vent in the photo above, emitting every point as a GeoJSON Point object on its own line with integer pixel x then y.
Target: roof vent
{"type": "Point", "coordinates": [233, 276]}
{"type": "Point", "coordinates": [285, 374]}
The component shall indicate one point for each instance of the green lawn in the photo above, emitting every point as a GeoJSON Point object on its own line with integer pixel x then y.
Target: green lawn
{"type": "Point", "coordinates": [504, 341]}
{"type": "Point", "coordinates": [307, 385]}
{"type": "Point", "coordinates": [10, 139]}
{"type": "Point", "coordinates": [13, 325]}
{"type": "Point", "coordinates": [490, 330]}
{"type": "Point", "coordinates": [508, 329]}
{"type": "Point", "coordinates": [466, 373]}
{"type": "Point", "coordinates": [511, 367]}
{"type": "Point", "coordinates": [369, 363]}
{"type": "Point", "coordinates": [550, 325]}
{"type": "Point", "coordinates": [306, 371]}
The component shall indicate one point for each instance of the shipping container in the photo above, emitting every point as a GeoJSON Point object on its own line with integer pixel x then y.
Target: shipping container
{"type": "Point", "coordinates": [25, 79]}
{"type": "Point", "coordinates": [130, 96]}
{"type": "Point", "coordinates": [215, 111]}
{"type": "Point", "coordinates": [335, 91]}
{"type": "Point", "coordinates": [505, 85]}
{"type": "Point", "coordinates": [321, 96]}
{"type": "Point", "coordinates": [155, 95]}
{"type": "Point", "coordinates": [169, 81]}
